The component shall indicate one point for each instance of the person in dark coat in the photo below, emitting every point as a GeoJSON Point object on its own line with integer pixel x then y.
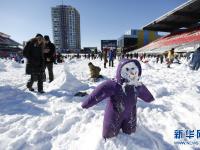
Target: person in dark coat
{"type": "Point", "coordinates": [94, 72]}
{"type": "Point", "coordinates": [105, 50]}
{"type": "Point", "coordinates": [121, 95]}
{"type": "Point", "coordinates": [33, 51]}
{"type": "Point", "coordinates": [49, 56]}
{"type": "Point", "coordinates": [195, 61]}
{"type": "Point", "coordinates": [101, 56]}
{"type": "Point", "coordinates": [157, 58]}
{"type": "Point", "coordinates": [92, 55]}
{"type": "Point", "coordinates": [131, 56]}
{"type": "Point", "coordinates": [111, 58]}
{"type": "Point", "coordinates": [161, 58]}
{"type": "Point", "coordinates": [89, 56]}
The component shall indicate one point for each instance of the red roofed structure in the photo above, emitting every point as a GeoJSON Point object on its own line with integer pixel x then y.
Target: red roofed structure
{"type": "Point", "coordinates": [8, 47]}
{"type": "Point", "coordinates": [183, 27]}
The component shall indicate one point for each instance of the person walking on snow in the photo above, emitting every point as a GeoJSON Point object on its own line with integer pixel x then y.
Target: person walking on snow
{"type": "Point", "coordinates": [33, 51]}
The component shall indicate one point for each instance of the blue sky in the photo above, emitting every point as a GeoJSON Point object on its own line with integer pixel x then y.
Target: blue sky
{"type": "Point", "coordinates": [100, 19]}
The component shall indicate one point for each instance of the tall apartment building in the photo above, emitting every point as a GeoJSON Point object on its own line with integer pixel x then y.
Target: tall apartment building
{"type": "Point", "coordinates": [66, 28]}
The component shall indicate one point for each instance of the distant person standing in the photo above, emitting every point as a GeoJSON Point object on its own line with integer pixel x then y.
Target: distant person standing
{"type": "Point", "coordinates": [111, 58]}
{"type": "Point", "coordinates": [33, 51]}
{"type": "Point", "coordinates": [161, 58]}
{"type": "Point", "coordinates": [105, 56]}
{"type": "Point", "coordinates": [49, 54]}
{"type": "Point", "coordinates": [101, 56]}
{"type": "Point", "coordinates": [89, 56]}
{"type": "Point", "coordinates": [131, 56]}
{"type": "Point", "coordinates": [195, 61]}
{"type": "Point", "coordinates": [157, 58]}
{"type": "Point", "coordinates": [170, 57]}
{"type": "Point", "coordinates": [92, 55]}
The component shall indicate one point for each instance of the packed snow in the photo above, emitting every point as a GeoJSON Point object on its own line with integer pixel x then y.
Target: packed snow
{"type": "Point", "coordinates": [55, 120]}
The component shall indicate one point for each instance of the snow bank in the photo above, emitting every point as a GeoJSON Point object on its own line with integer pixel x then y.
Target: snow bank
{"type": "Point", "coordinates": [68, 82]}
{"type": "Point", "coordinates": [15, 64]}
{"type": "Point", "coordinates": [55, 120]}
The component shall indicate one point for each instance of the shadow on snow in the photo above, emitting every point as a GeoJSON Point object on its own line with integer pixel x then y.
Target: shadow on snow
{"type": "Point", "coordinates": [16, 101]}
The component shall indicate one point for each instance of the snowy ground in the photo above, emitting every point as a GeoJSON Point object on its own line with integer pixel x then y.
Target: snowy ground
{"type": "Point", "coordinates": [55, 120]}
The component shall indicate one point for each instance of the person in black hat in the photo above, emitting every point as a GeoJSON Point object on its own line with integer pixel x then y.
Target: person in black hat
{"type": "Point", "coordinates": [38, 35]}
{"type": "Point", "coordinates": [49, 56]}
{"type": "Point", "coordinates": [33, 51]}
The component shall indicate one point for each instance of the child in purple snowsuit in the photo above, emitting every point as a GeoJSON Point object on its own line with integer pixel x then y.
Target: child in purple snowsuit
{"type": "Point", "coordinates": [122, 93]}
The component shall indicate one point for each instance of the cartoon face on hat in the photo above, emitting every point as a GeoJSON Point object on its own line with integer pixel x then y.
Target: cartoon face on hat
{"type": "Point", "coordinates": [130, 72]}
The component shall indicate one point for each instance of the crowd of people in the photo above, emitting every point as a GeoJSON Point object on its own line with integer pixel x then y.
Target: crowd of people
{"type": "Point", "coordinates": [41, 54]}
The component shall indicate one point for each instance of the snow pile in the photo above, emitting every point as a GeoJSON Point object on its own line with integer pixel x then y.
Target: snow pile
{"type": "Point", "coordinates": [162, 91]}
{"type": "Point", "coordinates": [14, 64]}
{"type": "Point", "coordinates": [66, 81]}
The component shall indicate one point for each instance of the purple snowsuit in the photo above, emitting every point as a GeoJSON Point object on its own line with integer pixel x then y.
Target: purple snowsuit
{"type": "Point", "coordinates": [120, 111]}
